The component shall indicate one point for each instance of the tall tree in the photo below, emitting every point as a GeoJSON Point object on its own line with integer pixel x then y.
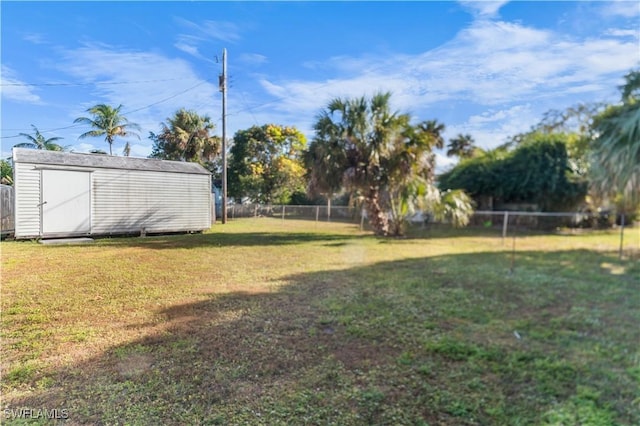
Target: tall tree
{"type": "Point", "coordinates": [186, 137]}
{"type": "Point", "coordinates": [631, 87]}
{"type": "Point", "coordinates": [537, 171]}
{"type": "Point", "coordinates": [615, 155]}
{"type": "Point", "coordinates": [432, 130]}
{"type": "Point", "coordinates": [435, 129]}
{"type": "Point", "coordinates": [363, 128]}
{"type": "Point", "coordinates": [379, 156]}
{"type": "Point", "coordinates": [266, 164]}
{"type": "Point", "coordinates": [462, 146]}
{"type": "Point", "coordinates": [323, 160]}
{"type": "Point", "coordinates": [38, 141]}
{"type": "Point", "coordinates": [108, 122]}
{"type": "Point", "coordinates": [409, 162]}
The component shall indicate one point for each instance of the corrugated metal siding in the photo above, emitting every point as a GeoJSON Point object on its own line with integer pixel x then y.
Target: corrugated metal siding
{"type": "Point", "coordinates": [125, 201]}
{"type": "Point", "coordinates": [27, 200]}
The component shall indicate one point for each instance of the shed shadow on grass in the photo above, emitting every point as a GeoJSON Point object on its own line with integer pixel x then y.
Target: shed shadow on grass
{"type": "Point", "coordinates": [400, 342]}
{"type": "Point", "coordinates": [254, 239]}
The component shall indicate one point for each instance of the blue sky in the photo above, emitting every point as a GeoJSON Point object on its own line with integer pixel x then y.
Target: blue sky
{"type": "Point", "coordinates": [490, 69]}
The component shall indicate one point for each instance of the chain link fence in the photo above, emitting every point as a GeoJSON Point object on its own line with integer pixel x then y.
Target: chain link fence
{"type": "Point", "coordinates": [315, 213]}
{"type": "Point", "coordinates": [502, 223]}
{"type": "Point", "coordinates": [504, 220]}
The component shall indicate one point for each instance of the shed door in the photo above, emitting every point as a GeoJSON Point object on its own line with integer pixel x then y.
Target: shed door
{"type": "Point", "coordinates": [66, 202]}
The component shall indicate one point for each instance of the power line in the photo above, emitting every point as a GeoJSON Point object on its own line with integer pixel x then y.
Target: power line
{"type": "Point", "coordinates": [170, 97]}
{"type": "Point", "coordinates": [95, 83]}
{"type": "Point", "coordinates": [127, 112]}
{"type": "Point", "coordinates": [43, 131]}
{"type": "Point", "coordinates": [278, 99]}
{"type": "Point", "coordinates": [236, 112]}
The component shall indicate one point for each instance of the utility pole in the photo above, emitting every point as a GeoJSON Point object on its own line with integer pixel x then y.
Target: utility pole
{"type": "Point", "coordinates": [223, 89]}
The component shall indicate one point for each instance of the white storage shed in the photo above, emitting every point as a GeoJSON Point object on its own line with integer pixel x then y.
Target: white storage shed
{"type": "Point", "coordinates": [61, 194]}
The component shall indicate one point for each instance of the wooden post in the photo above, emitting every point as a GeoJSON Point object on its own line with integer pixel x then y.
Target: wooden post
{"type": "Point", "coordinates": [317, 212]}
{"type": "Point", "coordinates": [283, 206]}
{"type": "Point", "coordinates": [223, 89]}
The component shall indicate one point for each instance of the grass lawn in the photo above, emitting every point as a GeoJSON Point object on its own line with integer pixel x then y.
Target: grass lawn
{"type": "Point", "coordinates": [264, 322]}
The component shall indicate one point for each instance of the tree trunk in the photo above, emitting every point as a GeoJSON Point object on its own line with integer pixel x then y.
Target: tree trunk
{"type": "Point", "coordinates": [377, 217]}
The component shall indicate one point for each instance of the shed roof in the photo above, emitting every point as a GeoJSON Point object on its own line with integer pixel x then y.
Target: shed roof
{"type": "Point", "coordinates": [57, 158]}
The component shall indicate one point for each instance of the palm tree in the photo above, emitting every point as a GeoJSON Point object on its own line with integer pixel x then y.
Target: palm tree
{"type": "Point", "coordinates": [364, 129]}
{"type": "Point", "coordinates": [324, 159]}
{"type": "Point", "coordinates": [615, 156]}
{"type": "Point", "coordinates": [434, 129]}
{"type": "Point", "coordinates": [382, 159]}
{"type": "Point", "coordinates": [461, 146]}
{"type": "Point", "coordinates": [375, 153]}
{"type": "Point", "coordinates": [108, 122]}
{"type": "Point", "coordinates": [187, 137]}
{"type": "Point", "coordinates": [431, 131]}
{"type": "Point", "coordinates": [631, 88]}
{"type": "Point", "coordinates": [38, 141]}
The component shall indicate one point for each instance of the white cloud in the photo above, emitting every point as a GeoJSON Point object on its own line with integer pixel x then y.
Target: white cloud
{"type": "Point", "coordinates": [199, 34]}
{"type": "Point", "coordinates": [187, 48]}
{"type": "Point", "coordinates": [273, 89]}
{"type": "Point", "coordinates": [619, 32]}
{"type": "Point", "coordinates": [492, 116]}
{"type": "Point", "coordinates": [140, 150]}
{"type": "Point", "coordinates": [14, 89]}
{"type": "Point", "coordinates": [444, 163]}
{"type": "Point", "coordinates": [207, 30]}
{"type": "Point", "coordinates": [490, 63]}
{"type": "Point", "coordinates": [302, 97]}
{"type": "Point", "coordinates": [35, 38]}
{"type": "Point", "coordinates": [511, 71]}
{"type": "Point", "coordinates": [623, 8]}
{"type": "Point", "coordinates": [483, 9]}
{"type": "Point", "coordinates": [494, 126]}
{"type": "Point", "coordinates": [252, 59]}
{"type": "Point", "coordinates": [150, 86]}
{"type": "Point", "coordinates": [84, 147]}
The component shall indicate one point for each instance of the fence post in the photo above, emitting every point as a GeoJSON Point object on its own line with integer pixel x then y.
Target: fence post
{"type": "Point", "coordinates": [505, 224]}
{"type": "Point", "coordinates": [317, 212]}
{"type": "Point", "coordinates": [621, 234]}
{"type": "Point", "coordinates": [513, 249]}
{"type": "Point", "coordinates": [361, 220]}
{"type": "Point", "coordinates": [283, 206]}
